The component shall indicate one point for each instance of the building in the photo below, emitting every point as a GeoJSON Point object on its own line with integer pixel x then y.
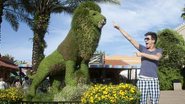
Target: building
{"type": "Point", "coordinates": [7, 68]}
{"type": "Point", "coordinates": [127, 61]}
{"type": "Point", "coordinates": [108, 70]}
{"type": "Point", "coordinates": [181, 30]}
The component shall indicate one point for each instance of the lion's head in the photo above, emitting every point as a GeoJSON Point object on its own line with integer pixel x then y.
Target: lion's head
{"type": "Point", "coordinates": [88, 14]}
{"type": "Point", "coordinates": [87, 23]}
{"type": "Point", "coordinates": [85, 32]}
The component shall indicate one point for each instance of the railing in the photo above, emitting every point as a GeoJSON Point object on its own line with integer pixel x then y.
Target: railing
{"type": "Point", "coordinates": [130, 77]}
{"type": "Point", "coordinates": [112, 75]}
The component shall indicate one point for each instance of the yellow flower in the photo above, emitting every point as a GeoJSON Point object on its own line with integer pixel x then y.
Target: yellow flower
{"type": "Point", "coordinates": [113, 94]}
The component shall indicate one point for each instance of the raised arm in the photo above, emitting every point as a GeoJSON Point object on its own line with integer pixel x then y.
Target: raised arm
{"type": "Point", "coordinates": [149, 56]}
{"type": "Point", "coordinates": [127, 36]}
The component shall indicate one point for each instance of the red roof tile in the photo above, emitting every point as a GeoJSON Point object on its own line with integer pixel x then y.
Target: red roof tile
{"type": "Point", "coordinates": [8, 65]}
{"type": "Point", "coordinates": [115, 62]}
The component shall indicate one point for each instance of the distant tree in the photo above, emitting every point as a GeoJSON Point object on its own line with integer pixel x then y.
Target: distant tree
{"type": "Point", "coordinates": [8, 58]}
{"type": "Point", "coordinates": [17, 62]}
{"type": "Point", "coordinates": [183, 14]}
{"type": "Point", "coordinates": [173, 59]}
{"type": "Point", "coordinates": [173, 46]}
{"type": "Point", "coordinates": [40, 10]}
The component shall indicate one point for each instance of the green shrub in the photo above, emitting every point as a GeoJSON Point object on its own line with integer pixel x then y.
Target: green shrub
{"type": "Point", "coordinates": [71, 93]}
{"type": "Point", "coordinates": [42, 97]}
{"type": "Point", "coordinates": [111, 94]}
{"type": "Point", "coordinates": [11, 94]}
{"type": "Point", "coordinates": [166, 77]}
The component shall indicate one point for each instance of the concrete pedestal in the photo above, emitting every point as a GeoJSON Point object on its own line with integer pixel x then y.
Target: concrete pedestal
{"type": "Point", "coordinates": [177, 86]}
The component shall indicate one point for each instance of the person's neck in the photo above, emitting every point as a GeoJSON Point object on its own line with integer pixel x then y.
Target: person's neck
{"type": "Point", "coordinates": [152, 48]}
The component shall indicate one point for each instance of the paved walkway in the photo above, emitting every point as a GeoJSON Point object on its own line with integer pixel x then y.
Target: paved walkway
{"type": "Point", "coordinates": [172, 97]}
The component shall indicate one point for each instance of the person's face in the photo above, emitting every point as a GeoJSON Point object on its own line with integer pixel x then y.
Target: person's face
{"type": "Point", "coordinates": [149, 41]}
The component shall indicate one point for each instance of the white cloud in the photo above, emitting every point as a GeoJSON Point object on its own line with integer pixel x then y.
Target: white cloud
{"type": "Point", "coordinates": [137, 18]}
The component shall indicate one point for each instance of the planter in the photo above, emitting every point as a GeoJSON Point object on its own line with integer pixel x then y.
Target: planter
{"type": "Point", "coordinates": [177, 84]}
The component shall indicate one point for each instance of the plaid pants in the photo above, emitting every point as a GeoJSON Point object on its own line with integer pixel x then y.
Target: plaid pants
{"type": "Point", "coordinates": [149, 86]}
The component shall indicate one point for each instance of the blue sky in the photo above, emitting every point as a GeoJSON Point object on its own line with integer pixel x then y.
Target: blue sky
{"type": "Point", "coordinates": [135, 16]}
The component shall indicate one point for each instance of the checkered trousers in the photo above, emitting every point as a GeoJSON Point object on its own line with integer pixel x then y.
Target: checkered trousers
{"type": "Point", "coordinates": [149, 86]}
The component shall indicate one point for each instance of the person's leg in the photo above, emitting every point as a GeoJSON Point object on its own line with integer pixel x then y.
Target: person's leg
{"type": "Point", "coordinates": [143, 88]}
{"type": "Point", "coordinates": [154, 91]}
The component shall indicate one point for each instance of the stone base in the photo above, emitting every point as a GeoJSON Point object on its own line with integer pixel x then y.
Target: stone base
{"type": "Point", "coordinates": [177, 86]}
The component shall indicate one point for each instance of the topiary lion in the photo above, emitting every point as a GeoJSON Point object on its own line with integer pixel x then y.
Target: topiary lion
{"type": "Point", "coordinates": [69, 62]}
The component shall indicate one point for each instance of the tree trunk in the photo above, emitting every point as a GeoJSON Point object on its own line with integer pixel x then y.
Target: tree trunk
{"type": "Point", "coordinates": [37, 52]}
{"type": "Point", "coordinates": [1, 10]}
{"type": "Point", "coordinates": [40, 27]}
{"type": "Point", "coordinates": [1, 15]}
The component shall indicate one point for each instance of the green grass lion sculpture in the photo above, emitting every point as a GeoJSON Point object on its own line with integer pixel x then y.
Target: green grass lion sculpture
{"type": "Point", "coordinates": [68, 64]}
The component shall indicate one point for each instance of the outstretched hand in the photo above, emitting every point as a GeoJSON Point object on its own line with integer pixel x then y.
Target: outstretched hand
{"type": "Point", "coordinates": [115, 25]}
{"type": "Point", "coordinates": [138, 54]}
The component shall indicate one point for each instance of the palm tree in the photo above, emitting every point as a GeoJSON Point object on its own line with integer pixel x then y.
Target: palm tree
{"type": "Point", "coordinates": [9, 11]}
{"type": "Point", "coordinates": [7, 8]}
{"type": "Point", "coordinates": [41, 10]}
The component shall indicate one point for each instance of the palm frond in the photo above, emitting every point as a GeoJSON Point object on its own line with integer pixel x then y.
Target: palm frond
{"type": "Point", "coordinates": [11, 4]}
{"type": "Point", "coordinates": [27, 6]}
{"type": "Point", "coordinates": [12, 19]}
{"type": "Point", "coordinates": [26, 19]}
{"type": "Point", "coordinates": [110, 1]}
{"type": "Point", "coordinates": [183, 14]}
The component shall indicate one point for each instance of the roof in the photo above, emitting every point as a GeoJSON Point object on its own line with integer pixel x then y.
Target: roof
{"type": "Point", "coordinates": [131, 60]}
{"type": "Point", "coordinates": [115, 62]}
{"type": "Point", "coordinates": [7, 64]}
{"type": "Point", "coordinates": [181, 29]}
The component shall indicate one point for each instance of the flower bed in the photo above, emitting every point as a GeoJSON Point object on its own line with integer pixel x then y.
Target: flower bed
{"type": "Point", "coordinates": [111, 94]}
{"type": "Point", "coordinates": [11, 94]}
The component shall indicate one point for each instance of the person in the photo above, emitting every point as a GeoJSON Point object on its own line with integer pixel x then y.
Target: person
{"type": "Point", "coordinates": [25, 84]}
{"type": "Point", "coordinates": [18, 84]}
{"type": "Point", "coordinates": [148, 82]}
{"type": "Point", "coordinates": [2, 84]}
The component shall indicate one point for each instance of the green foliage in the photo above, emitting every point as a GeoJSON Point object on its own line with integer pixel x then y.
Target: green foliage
{"type": "Point", "coordinates": [71, 93]}
{"type": "Point", "coordinates": [183, 14]}
{"type": "Point", "coordinates": [90, 5]}
{"type": "Point", "coordinates": [173, 59]}
{"type": "Point", "coordinates": [43, 97]}
{"type": "Point", "coordinates": [86, 25]}
{"type": "Point", "coordinates": [39, 11]}
{"type": "Point", "coordinates": [166, 77]}
{"type": "Point", "coordinates": [173, 47]}
{"type": "Point", "coordinates": [111, 94]}
{"type": "Point", "coordinates": [82, 75]}
{"type": "Point", "coordinates": [183, 74]}
{"type": "Point", "coordinates": [11, 94]}
{"type": "Point", "coordinates": [11, 12]}
{"type": "Point", "coordinates": [9, 58]}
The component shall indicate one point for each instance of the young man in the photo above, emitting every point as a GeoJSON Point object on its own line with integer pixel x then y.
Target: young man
{"type": "Point", "coordinates": [148, 82]}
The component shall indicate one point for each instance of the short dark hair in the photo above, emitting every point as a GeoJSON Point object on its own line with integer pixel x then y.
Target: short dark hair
{"type": "Point", "coordinates": [153, 36]}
